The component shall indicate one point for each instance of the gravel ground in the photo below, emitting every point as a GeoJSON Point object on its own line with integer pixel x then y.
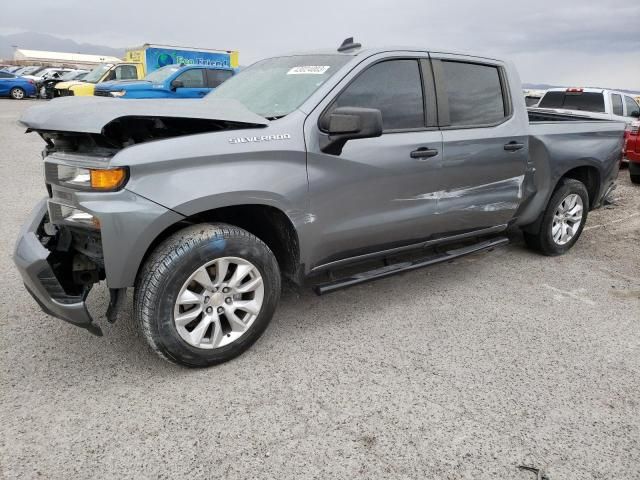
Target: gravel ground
{"type": "Point", "coordinates": [463, 370]}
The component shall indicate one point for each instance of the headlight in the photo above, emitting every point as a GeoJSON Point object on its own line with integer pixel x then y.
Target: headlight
{"type": "Point", "coordinates": [121, 93]}
{"type": "Point", "coordinates": [105, 180]}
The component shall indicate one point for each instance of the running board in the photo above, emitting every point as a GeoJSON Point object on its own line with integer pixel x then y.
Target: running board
{"type": "Point", "coordinates": [394, 268]}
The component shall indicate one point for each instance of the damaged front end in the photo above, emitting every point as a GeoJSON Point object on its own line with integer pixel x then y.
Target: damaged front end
{"type": "Point", "coordinates": [57, 276]}
{"type": "Point", "coordinates": [90, 228]}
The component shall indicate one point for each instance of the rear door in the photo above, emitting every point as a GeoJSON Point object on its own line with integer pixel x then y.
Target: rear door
{"type": "Point", "coordinates": [485, 143]}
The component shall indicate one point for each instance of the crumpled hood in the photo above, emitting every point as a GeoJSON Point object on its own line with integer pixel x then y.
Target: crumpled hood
{"type": "Point", "coordinates": [92, 114]}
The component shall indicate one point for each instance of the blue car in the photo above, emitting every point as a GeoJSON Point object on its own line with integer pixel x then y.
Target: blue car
{"type": "Point", "coordinates": [172, 81]}
{"type": "Point", "coordinates": [16, 87]}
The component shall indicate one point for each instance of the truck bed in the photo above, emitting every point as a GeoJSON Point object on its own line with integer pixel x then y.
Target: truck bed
{"type": "Point", "coordinates": [537, 115]}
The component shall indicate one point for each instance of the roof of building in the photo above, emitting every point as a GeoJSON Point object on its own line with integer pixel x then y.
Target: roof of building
{"type": "Point", "coordinates": [42, 55]}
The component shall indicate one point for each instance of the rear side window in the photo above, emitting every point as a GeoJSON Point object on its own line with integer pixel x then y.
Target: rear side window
{"type": "Point", "coordinates": [616, 104]}
{"type": "Point", "coordinates": [191, 78]}
{"type": "Point", "coordinates": [474, 93]}
{"type": "Point", "coordinates": [216, 77]}
{"type": "Point", "coordinates": [394, 87]}
{"type": "Point", "coordinates": [632, 106]}
{"type": "Point", "coordinates": [5, 75]}
{"type": "Point", "coordinates": [584, 101]}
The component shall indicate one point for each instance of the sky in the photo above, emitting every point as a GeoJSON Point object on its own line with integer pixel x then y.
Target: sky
{"type": "Point", "coordinates": [562, 42]}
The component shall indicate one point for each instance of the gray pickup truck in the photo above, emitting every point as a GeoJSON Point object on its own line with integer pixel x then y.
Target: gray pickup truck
{"type": "Point", "coordinates": [305, 167]}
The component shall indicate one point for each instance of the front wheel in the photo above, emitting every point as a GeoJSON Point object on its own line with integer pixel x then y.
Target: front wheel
{"type": "Point", "coordinates": [17, 93]}
{"type": "Point", "coordinates": [206, 294]}
{"type": "Point", "coordinates": [562, 221]}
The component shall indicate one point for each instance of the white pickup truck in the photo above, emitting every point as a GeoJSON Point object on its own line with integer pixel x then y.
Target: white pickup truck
{"type": "Point", "coordinates": [592, 102]}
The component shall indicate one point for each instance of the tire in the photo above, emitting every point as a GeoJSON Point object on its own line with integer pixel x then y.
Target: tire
{"type": "Point", "coordinates": [635, 178]}
{"type": "Point", "coordinates": [543, 240]}
{"type": "Point", "coordinates": [171, 276]}
{"type": "Point", "coordinates": [17, 93]}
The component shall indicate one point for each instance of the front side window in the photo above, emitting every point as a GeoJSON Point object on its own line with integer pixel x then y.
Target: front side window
{"type": "Point", "coordinates": [394, 87]}
{"type": "Point", "coordinates": [632, 107]}
{"type": "Point", "coordinates": [474, 92]}
{"type": "Point", "coordinates": [216, 77]}
{"type": "Point", "coordinates": [191, 79]}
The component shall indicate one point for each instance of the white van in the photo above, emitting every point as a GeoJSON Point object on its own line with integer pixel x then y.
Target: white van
{"type": "Point", "coordinates": [591, 102]}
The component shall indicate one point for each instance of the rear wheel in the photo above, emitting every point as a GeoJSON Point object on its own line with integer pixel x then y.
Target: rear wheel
{"type": "Point", "coordinates": [562, 221]}
{"type": "Point", "coordinates": [634, 173]}
{"type": "Point", "coordinates": [206, 294]}
{"type": "Point", "coordinates": [17, 93]}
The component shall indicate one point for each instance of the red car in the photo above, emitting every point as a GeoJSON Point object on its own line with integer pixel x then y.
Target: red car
{"type": "Point", "coordinates": [632, 150]}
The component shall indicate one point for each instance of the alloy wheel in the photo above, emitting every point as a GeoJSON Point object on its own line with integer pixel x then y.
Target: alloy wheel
{"type": "Point", "coordinates": [219, 302]}
{"type": "Point", "coordinates": [567, 219]}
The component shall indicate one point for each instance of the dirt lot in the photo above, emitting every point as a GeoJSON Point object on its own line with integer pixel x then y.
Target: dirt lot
{"type": "Point", "coordinates": [463, 370]}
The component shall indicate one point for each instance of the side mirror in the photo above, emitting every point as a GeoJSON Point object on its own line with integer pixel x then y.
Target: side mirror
{"type": "Point", "coordinates": [175, 84]}
{"type": "Point", "coordinates": [635, 114]}
{"type": "Point", "coordinates": [349, 123]}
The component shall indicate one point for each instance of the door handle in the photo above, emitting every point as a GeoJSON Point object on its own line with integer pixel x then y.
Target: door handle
{"type": "Point", "coordinates": [513, 146]}
{"type": "Point", "coordinates": [424, 152]}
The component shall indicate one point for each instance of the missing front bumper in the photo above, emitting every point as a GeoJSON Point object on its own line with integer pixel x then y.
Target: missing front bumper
{"type": "Point", "coordinates": [30, 257]}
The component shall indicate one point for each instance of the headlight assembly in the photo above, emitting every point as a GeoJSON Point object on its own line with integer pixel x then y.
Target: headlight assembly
{"type": "Point", "coordinates": [121, 93]}
{"type": "Point", "coordinates": [97, 179]}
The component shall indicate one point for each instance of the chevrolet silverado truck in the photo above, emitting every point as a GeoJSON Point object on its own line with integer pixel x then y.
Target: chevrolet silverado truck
{"type": "Point", "coordinates": [323, 169]}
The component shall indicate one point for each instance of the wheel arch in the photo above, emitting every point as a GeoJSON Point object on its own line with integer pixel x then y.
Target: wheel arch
{"type": "Point", "coordinates": [270, 224]}
{"type": "Point", "coordinates": [590, 176]}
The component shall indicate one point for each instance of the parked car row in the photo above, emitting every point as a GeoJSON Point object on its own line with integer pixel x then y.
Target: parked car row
{"type": "Point", "coordinates": [22, 82]}
{"type": "Point", "coordinates": [156, 71]}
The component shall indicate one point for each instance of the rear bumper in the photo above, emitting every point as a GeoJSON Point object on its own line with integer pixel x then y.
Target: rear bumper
{"type": "Point", "coordinates": [30, 257]}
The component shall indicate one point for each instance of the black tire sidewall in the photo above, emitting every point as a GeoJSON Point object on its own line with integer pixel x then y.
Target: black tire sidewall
{"type": "Point", "coordinates": [549, 246]}
{"type": "Point", "coordinates": [163, 327]}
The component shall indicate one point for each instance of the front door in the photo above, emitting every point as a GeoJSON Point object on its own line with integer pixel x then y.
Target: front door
{"type": "Point", "coordinates": [193, 84]}
{"type": "Point", "coordinates": [377, 193]}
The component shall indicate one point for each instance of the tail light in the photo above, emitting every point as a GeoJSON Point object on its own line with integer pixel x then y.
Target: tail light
{"type": "Point", "coordinates": [31, 81]}
{"type": "Point", "coordinates": [575, 90]}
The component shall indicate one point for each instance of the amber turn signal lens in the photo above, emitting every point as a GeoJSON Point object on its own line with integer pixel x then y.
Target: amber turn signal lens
{"type": "Point", "coordinates": [109, 179]}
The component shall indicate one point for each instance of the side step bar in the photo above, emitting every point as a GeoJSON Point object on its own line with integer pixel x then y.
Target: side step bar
{"type": "Point", "coordinates": [392, 269]}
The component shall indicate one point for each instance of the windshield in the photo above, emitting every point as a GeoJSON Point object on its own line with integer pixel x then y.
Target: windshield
{"type": "Point", "coordinates": [277, 86]}
{"type": "Point", "coordinates": [160, 75]}
{"type": "Point", "coordinates": [96, 74]}
{"type": "Point", "coordinates": [69, 76]}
